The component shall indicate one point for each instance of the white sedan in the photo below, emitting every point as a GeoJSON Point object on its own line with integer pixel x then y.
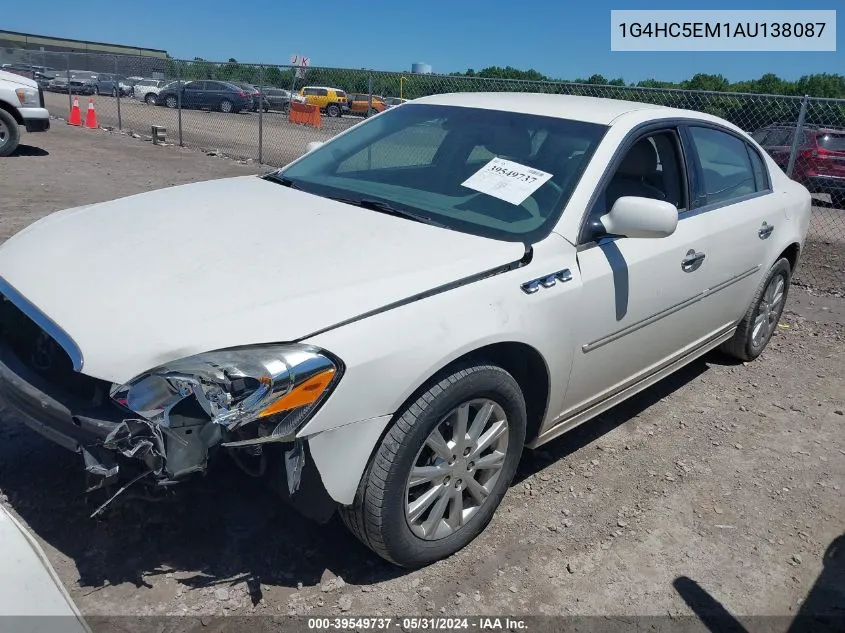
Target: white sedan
{"type": "Point", "coordinates": [395, 315]}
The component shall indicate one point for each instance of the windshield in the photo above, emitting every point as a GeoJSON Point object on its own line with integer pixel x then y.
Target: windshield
{"type": "Point", "coordinates": [498, 174]}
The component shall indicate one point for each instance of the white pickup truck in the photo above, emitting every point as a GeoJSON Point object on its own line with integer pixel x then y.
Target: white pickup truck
{"type": "Point", "coordinates": [21, 105]}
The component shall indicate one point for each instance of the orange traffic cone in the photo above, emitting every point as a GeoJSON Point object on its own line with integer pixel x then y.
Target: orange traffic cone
{"type": "Point", "coordinates": [75, 116]}
{"type": "Point", "coordinates": [91, 116]}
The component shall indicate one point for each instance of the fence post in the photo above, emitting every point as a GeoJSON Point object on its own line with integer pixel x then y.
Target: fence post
{"type": "Point", "coordinates": [293, 81]}
{"type": "Point", "coordinates": [69, 96]}
{"type": "Point", "coordinates": [117, 87]}
{"type": "Point", "coordinates": [370, 93]}
{"type": "Point", "coordinates": [799, 132]}
{"type": "Point", "coordinates": [179, 99]}
{"type": "Point", "coordinates": [261, 115]}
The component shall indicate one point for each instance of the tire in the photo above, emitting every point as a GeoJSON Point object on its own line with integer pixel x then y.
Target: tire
{"type": "Point", "coordinates": [379, 516]}
{"type": "Point", "coordinates": [333, 111]}
{"type": "Point", "coordinates": [226, 106]}
{"type": "Point", "coordinates": [150, 98]}
{"type": "Point", "coordinates": [171, 102]}
{"type": "Point", "coordinates": [10, 133]}
{"type": "Point", "coordinates": [764, 312]}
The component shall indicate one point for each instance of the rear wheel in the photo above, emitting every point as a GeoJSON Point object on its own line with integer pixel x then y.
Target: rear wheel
{"type": "Point", "coordinates": [442, 469]}
{"type": "Point", "coordinates": [225, 106]}
{"type": "Point", "coordinates": [333, 111]}
{"type": "Point", "coordinates": [10, 134]}
{"type": "Point", "coordinates": [760, 321]}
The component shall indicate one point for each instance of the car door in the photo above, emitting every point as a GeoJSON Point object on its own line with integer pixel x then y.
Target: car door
{"type": "Point", "coordinates": [733, 188]}
{"type": "Point", "coordinates": [639, 295]}
{"type": "Point", "coordinates": [192, 94]}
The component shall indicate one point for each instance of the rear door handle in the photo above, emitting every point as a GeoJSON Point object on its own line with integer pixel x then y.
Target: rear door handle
{"type": "Point", "coordinates": [765, 230]}
{"type": "Point", "coordinates": [692, 261]}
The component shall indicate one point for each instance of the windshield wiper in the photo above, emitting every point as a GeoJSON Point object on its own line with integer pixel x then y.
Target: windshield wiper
{"type": "Point", "coordinates": [282, 180]}
{"type": "Point", "coordinates": [388, 209]}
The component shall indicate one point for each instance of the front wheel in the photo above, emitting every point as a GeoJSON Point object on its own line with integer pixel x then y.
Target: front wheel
{"type": "Point", "coordinates": [444, 466]}
{"type": "Point", "coordinates": [10, 134]}
{"type": "Point", "coordinates": [150, 99]}
{"type": "Point", "coordinates": [760, 321]}
{"type": "Point", "coordinates": [171, 102]}
{"type": "Point", "coordinates": [333, 111]}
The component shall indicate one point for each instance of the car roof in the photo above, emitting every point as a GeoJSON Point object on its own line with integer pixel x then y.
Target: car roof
{"type": "Point", "coordinates": [588, 109]}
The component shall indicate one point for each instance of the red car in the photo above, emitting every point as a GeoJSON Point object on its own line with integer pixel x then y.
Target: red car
{"type": "Point", "coordinates": [820, 161]}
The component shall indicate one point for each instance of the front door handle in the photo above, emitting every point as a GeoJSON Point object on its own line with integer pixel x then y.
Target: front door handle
{"type": "Point", "coordinates": [692, 261]}
{"type": "Point", "coordinates": [765, 231]}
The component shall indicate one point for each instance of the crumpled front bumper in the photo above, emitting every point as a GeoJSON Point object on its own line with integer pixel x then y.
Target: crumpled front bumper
{"type": "Point", "coordinates": [61, 418]}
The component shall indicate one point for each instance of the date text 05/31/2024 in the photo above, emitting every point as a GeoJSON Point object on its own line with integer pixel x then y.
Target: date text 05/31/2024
{"type": "Point", "coordinates": [417, 624]}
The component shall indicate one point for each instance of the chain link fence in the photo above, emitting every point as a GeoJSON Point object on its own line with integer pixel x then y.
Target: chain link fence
{"type": "Point", "coordinates": [243, 111]}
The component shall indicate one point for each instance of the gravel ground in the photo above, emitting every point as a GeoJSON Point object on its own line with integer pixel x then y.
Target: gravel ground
{"type": "Point", "coordinates": [724, 478]}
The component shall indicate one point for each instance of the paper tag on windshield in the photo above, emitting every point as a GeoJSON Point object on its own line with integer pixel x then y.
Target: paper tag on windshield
{"type": "Point", "coordinates": [507, 180]}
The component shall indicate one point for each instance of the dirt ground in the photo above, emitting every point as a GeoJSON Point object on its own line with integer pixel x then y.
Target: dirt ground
{"type": "Point", "coordinates": [719, 488]}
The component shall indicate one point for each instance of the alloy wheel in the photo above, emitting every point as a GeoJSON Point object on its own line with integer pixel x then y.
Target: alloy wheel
{"type": "Point", "coordinates": [456, 469]}
{"type": "Point", "coordinates": [768, 311]}
{"type": "Point", "coordinates": [5, 134]}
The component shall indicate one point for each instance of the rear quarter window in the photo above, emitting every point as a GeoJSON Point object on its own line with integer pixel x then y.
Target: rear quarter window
{"type": "Point", "coordinates": [832, 142]}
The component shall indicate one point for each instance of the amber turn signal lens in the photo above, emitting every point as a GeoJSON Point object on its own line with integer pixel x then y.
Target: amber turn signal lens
{"type": "Point", "coordinates": [305, 393]}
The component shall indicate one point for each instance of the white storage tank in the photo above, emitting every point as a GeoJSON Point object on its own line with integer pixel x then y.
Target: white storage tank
{"type": "Point", "coordinates": [421, 69]}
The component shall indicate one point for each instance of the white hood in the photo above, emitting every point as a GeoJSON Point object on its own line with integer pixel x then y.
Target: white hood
{"type": "Point", "coordinates": [162, 275]}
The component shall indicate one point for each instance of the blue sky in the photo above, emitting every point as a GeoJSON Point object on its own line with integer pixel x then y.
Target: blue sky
{"type": "Point", "coordinates": [561, 38]}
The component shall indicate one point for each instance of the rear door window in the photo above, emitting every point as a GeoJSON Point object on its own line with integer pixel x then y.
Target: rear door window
{"type": "Point", "coordinates": [726, 166]}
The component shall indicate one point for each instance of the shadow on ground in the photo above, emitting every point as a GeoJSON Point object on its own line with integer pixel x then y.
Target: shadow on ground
{"type": "Point", "coordinates": [822, 611]}
{"type": "Point", "coordinates": [223, 528]}
{"type": "Point", "coordinates": [28, 150]}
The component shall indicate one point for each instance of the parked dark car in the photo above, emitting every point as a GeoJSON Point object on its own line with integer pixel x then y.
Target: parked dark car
{"type": "Point", "coordinates": [820, 160]}
{"type": "Point", "coordinates": [279, 98]}
{"type": "Point", "coordinates": [110, 84]}
{"type": "Point", "coordinates": [78, 86]}
{"type": "Point", "coordinates": [257, 96]}
{"type": "Point", "coordinates": [208, 95]}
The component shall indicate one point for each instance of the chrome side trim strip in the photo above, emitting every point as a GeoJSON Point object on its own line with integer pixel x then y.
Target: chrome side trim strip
{"type": "Point", "coordinates": [571, 419]}
{"type": "Point", "coordinates": [44, 322]}
{"type": "Point", "coordinates": [589, 347]}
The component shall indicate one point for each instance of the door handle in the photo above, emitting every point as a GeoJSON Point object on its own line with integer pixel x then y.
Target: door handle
{"type": "Point", "coordinates": [765, 230]}
{"type": "Point", "coordinates": [692, 261]}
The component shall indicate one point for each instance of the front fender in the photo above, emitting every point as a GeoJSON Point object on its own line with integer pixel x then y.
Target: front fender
{"type": "Point", "coordinates": [391, 354]}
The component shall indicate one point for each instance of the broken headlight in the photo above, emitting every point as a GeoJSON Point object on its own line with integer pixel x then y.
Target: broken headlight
{"type": "Point", "coordinates": [278, 384]}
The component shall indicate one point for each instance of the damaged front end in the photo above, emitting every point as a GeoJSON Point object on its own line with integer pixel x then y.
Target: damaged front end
{"type": "Point", "coordinates": [236, 398]}
{"type": "Point", "coordinates": [168, 422]}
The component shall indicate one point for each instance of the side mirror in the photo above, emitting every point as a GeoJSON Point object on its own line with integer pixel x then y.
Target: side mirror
{"type": "Point", "coordinates": [640, 217]}
{"type": "Point", "coordinates": [312, 146]}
